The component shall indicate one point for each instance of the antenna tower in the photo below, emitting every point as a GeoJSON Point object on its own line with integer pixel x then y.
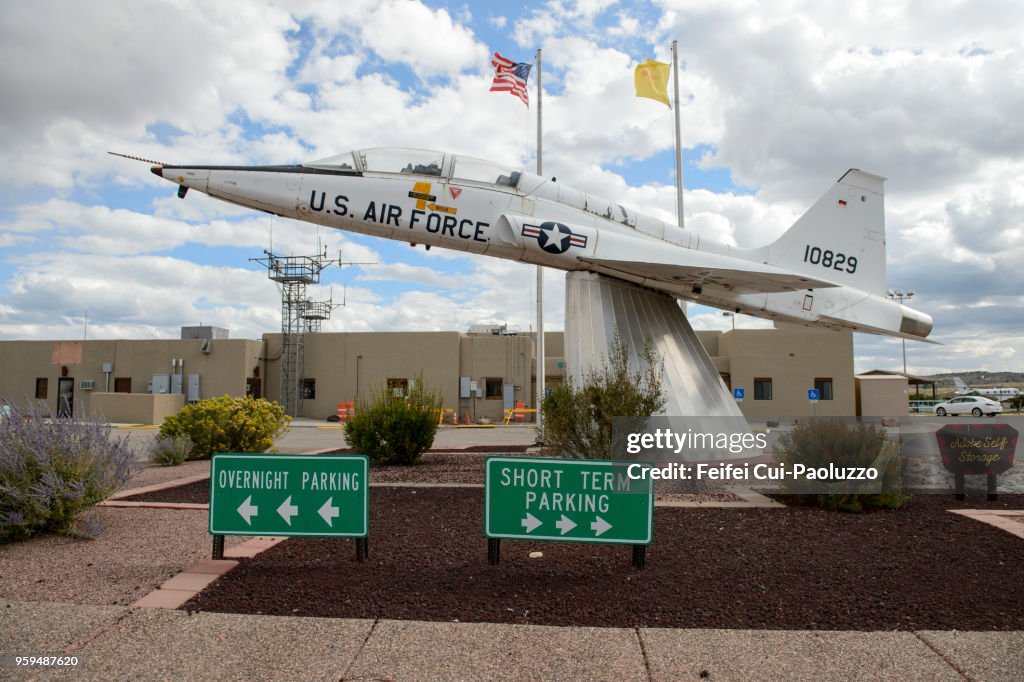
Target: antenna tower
{"type": "Point", "coordinates": [316, 312]}
{"type": "Point", "coordinates": [299, 316]}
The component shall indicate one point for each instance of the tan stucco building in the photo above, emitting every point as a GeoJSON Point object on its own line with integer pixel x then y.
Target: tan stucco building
{"type": "Point", "coordinates": [478, 374]}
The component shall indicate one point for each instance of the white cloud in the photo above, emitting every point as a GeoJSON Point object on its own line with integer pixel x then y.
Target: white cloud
{"type": "Point", "coordinates": [820, 87]}
{"type": "Point", "coordinates": [144, 294]}
{"type": "Point", "coordinates": [404, 272]}
{"type": "Point", "coordinates": [9, 240]}
{"type": "Point", "coordinates": [92, 77]}
{"type": "Point", "coordinates": [396, 28]}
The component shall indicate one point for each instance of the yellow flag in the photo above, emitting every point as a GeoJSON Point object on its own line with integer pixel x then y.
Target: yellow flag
{"type": "Point", "coordinates": [651, 80]}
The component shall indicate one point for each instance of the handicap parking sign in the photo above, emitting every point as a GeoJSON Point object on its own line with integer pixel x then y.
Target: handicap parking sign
{"type": "Point", "coordinates": [812, 395]}
{"type": "Point", "coordinates": [737, 393]}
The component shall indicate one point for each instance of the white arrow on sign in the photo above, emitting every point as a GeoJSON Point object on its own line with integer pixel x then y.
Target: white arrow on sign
{"type": "Point", "coordinates": [531, 522]}
{"type": "Point", "coordinates": [287, 510]}
{"type": "Point", "coordinates": [247, 510]}
{"type": "Point", "coordinates": [599, 525]}
{"type": "Point", "coordinates": [329, 513]}
{"type": "Point", "coordinates": [565, 524]}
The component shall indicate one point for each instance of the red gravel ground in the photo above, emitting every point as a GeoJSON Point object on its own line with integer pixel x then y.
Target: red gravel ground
{"type": "Point", "coordinates": [796, 568]}
{"type": "Point", "coordinates": [438, 467]}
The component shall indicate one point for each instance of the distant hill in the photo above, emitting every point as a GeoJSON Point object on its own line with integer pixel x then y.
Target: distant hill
{"type": "Point", "coordinates": [981, 378]}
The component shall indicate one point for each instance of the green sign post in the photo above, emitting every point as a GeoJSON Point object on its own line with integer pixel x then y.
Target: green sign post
{"type": "Point", "coordinates": [290, 495]}
{"type": "Point", "coordinates": [567, 500]}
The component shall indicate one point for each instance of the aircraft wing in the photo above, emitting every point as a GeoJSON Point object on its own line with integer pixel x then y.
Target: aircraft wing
{"type": "Point", "coordinates": [641, 256]}
{"type": "Point", "coordinates": [839, 323]}
{"type": "Point", "coordinates": [637, 255]}
{"type": "Point", "coordinates": [694, 268]}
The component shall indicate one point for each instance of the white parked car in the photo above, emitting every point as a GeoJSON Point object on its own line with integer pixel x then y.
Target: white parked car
{"type": "Point", "coordinates": [969, 404]}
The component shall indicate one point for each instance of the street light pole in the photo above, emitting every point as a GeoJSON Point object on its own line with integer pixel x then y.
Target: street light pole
{"type": "Point", "coordinates": [900, 295]}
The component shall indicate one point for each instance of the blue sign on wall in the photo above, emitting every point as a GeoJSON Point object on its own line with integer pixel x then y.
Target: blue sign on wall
{"type": "Point", "coordinates": [737, 393]}
{"type": "Point", "coordinates": [812, 395]}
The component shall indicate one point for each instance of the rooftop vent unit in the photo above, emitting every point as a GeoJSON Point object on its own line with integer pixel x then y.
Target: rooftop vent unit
{"type": "Point", "coordinates": [204, 332]}
{"type": "Point", "coordinates": [493, 330]}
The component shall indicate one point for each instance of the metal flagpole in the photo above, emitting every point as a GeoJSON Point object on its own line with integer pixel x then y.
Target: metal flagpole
{"type": "Point", "coordinates": [540, 272]}
{"type": "Point", "coordinates": [679, 141]}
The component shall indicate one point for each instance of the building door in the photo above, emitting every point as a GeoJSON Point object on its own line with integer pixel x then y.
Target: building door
{"type": "Point", "coordinates": [508, 396]}
{"type": "Point", "coordinates": [254, 387]}
{"type": "Point", "coordinates": [65, 397]}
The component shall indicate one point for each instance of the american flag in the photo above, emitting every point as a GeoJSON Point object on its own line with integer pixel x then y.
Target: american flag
{"type": "Point", "coordinates": [510, 77]}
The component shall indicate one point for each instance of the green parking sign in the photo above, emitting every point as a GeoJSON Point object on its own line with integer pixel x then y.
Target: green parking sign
{"type": "Point", "coordinates": [290, 495]}
{"type": "Point", "coordinates": [569, 500]}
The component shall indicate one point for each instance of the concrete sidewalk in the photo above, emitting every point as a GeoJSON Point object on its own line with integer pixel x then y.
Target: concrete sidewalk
{"type": "Point", "coordinates": [116, 643]}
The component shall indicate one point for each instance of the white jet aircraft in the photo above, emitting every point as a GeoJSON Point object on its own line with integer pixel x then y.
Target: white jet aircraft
{"type": "Point", "coordinates": [827, 270]}
{"type": "Point", "coordinates": [1001, 394]}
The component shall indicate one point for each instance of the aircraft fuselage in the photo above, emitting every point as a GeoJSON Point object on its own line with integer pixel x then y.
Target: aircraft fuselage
{"type": "Point", "coordinates": [821, 277]}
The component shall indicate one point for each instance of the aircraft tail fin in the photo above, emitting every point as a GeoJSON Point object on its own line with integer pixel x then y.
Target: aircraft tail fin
{"type": "Point", "coordinates": [961, 387]}
{"type": "Point", "coordinates": [841, 238]}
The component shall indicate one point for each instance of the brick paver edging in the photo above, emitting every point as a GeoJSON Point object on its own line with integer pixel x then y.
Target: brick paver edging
{"type": "Point", "coordinates": [121, 494]}
{"type": "Point", "coordinates": [193, 580]}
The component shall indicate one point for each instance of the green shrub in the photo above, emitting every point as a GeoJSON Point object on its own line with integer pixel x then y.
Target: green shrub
{"type": "Point", "coordinates": [1017, 403]}
{"type": "Point", "coordinates": [578, 420]}
{"type": "Point", "coordinates": [227, 424]}
{"type": "Point", "coordinates": [392, 429]}
{"type": "Point", "coordinates": [51, 470]}
{"type": "Point", "coordinates": [818, 442]}
{"type": "Point", "coordinates": [170, 451]}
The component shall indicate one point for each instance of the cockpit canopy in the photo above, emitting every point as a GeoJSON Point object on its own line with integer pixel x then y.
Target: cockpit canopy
{"type": "Point", "coordinates": [456, 168]}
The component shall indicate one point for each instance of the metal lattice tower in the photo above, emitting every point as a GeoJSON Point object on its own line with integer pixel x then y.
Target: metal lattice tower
{"type": "Point", "coordinates": [315, 312]}
{"type": "Point", "coordinates": [294, 274]}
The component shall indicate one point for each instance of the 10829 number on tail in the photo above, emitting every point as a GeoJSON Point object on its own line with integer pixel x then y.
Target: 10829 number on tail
{"type": "Point", "coordinates": [832, 260]}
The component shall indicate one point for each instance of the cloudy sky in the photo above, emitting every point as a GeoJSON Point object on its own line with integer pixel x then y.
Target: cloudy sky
{"type": "Point", "coordinates": [779, 99]}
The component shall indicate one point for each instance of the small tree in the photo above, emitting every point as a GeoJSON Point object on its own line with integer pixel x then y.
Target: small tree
{"type": "Point", "coordinates": [817, 443]}
{"type": "Point", "coordinates": [392, 429]}
{"type": "Point", "coordinates": [1017, 403]}
{"type": "Point", "coordinates": [227, 424]}
{"type": "Point", "coordinates": [170, 451]}
{"type": "Point", "coordinates": [578, 420]}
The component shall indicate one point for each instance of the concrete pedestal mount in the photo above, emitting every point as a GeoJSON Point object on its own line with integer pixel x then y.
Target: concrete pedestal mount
{"type": "Point", "coordinates": [597, 306]}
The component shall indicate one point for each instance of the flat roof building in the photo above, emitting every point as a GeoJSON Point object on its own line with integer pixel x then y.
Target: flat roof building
{"type": "Point", "coordinates": [477, 374]}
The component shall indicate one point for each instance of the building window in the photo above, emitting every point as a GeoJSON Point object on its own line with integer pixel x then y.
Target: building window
{"type": "Point", "coordinates": [122, 384]}
{"type": "Point", "coordinates": [492, 388]}
{"type": "Point", "coordinates": [762, 389]}
{"type": "Point", "coordinates": [309, 389]}
{"type": "Point", "coordinates": [824, 387]}
{"type": "Point", "coordinates": [42, 388]}
{"type": "Point", "coordinates": [398, 387]}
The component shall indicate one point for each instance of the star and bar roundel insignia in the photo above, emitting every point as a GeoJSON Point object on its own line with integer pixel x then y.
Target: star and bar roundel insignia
{"type": "Point", "coordinates": [554, 237]}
